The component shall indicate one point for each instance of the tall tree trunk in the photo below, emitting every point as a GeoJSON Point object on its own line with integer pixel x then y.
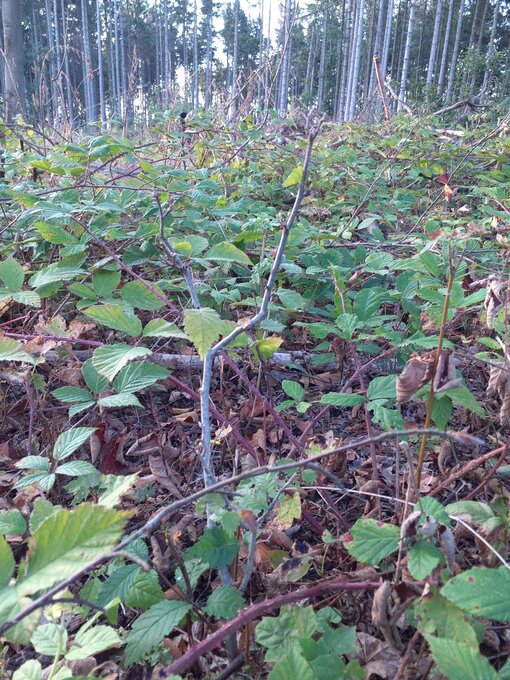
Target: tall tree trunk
{"type": "Point", "coordinates": [195, 55]}
{"type": "Point", "coordinates": [52, 62]}
{"type": "Point", "coordinates": [442, 69]}
{"type": "Point", "coordinates": [435, 41]}
{"type": "Point", "coordinates": [407, 54]}
{"type": "Point", "coordinates": [357, 56]}
{"type": "Point", "coordinates": [283, 89]}
{"type": "Point", "coordinates": [67, 70]}
{"type": "Point", "coordinates": [14, 75]}
{"type": "Point", "coordinates": [118, 81]}
{"type": "Point", "coordinates": [342, 95]}
{"type": "Point", "coordinates": [490, 47]}
{"type": "Point", "coordinates": [208, 57]}
{"type": "Point", "coordinates": [58, 52]}
{"type": "Point", "coordinates": [87, 65]}
{"type": "Point", "coordinates": [387, 39]}
{"type": "Point", "coordinates": [235, 56]}
{"type": "Point", "coordinates": [348, 85]}
{"type": "Point", "coordinates": [455, 53]}
{"type": "Point", "coordinates": [322, 64]}
{"type": "Point", "coordinates": [100, 69]}
{"type": "Point", "coordinates": [378, 43]}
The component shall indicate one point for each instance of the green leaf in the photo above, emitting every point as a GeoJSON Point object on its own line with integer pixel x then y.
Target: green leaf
{"type": "Point", "coordinates": [292, 666]}
{"type": "Point", "coordinates": [118, 584]}
{"type": "Point", "coordinates": [463, 397]}
{"type": "Point", "coordinates": [227, 252]}
{"type": "Point", "coordinates": [34, 463]}
{"type": "Point", "coordinates": [104, 282]}
{"type": "Point", "coordinates": [159, 328]}
{"type": "Point", "coordinates": [203, 327]}
{"type": "Point", "coordinates": [224, 602]}
{"type": "Point", "coordinates": [27, 297]}
{"type": "Point", "coordinates": [293, 389]}
{"type": "Point", "coordinates": [7, 562]}
{"type": "Point", "coordinates": [54, 234]}
{"type": "Point", "coordinates": [139, 296]}
{"type": "Point", "coordinates": [10, 351]}
{"type": "Point", "coordinates": [439, 617]}
{"type": "Point", "coordinates": [370, 541]}
{"type": "Point", "coordinates": [460, 661]}
{"type": "Point", "coordinates": [115, 488]}
{"type": "Point", "coordinates": [289, 508]}
{"type": "Point", "coordinates": [340, 399]}
{"type": "Point", "coordinates": [384, 387]}
{"type": "Point", "coordinates": [442, 408]}
{"type": "Point", "coordinates": [95, 381]}
{"type": "Point", "coordinates": [108, 361]}
{"type": "Point", "coordinates": [294, 177]}
{"type": "Point", "coordinates": [70, 440]}
{"type": "Point", "coordinates": [145, 591]}
{"type": "Point", "coordinates": [215, 547]}
{"type": "Point", "coordinates": [119, 401]}
{"type": "Point", "coordinates": [423, 559]}
{"type": "Point", "coordinates": [266, 348]}
{"type": "Point", "coordinates": [113, 316]}
{"type": "Point", "coordinates": [12, 523]}
{"type": "Point", "coordinates": [90, 641]}
{"type": "Point", "coordinates": [30, 670]}
{"type": "Point", "coordinates": [43, 479]}
{"type": "Point", "coordinates": [12, 274]}
{"type": "Point", "coordinates": [478, 513]}
{"type": "Point", "coordinates": [69, 395]}
{"type": "Point", "coordinates": [481, 591]}
{"type": "Point", "coordinates": [54, 273]}
{"type": "Point", "coordinates": [49, 639]}
{"type": "Point", "coordinates": [431, 506]}
{"type": "Point", "coordinates": [76, 468]}
{"type": "Point", "coordinates": [367, 303]}
{"type": "Point", "coordinates": [290, 299]}
{"type": "Point", "coordinates": [139, 375]}
{"type": "Point", "coordinates": [151, 627]}
{"type": "Point", "coordinates": [67, 540]}
{"type": "Point", "coordinates": [42, 510]}
{"type": "Point", "coordinates": [281, 633]}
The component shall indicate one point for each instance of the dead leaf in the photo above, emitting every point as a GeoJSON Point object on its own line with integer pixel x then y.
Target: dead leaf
{"type": "Point", "coordinates": [415, 374]}
{"type": "Point", "coordinates": [377, 657]}
{"type": "Point", "coordinates": [494, 300]}
{"type": "Point", "coordinates": [445, 378]}
{"type": "Point", "coordinates": [162, 471]}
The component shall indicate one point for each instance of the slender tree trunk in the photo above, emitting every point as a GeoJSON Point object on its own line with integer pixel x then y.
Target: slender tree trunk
{"type": "Point", "coordinates": [208, 59]}
{"type": "Point", "coordinates": [407, 54]}
{"type": "Point", "coordinates": [378, 43]}
{"type": "Point", "coordinates": [353, 27]}
{"type": "Point", "coordinates": [267, 70]}
{"type": "Point", "coordinates": [58, 49]}
{"type": "Point", "coordinates": [345, 64]}
{"type": "Point", "coordinates": [490, 47]}
{"type": "Point", "coordinates": [14, 75]}
{"type": "Point", "coordinates": [357, 56]}
{"type": "Point", "coordinates": [435, 41]}
{"type": "Point", "coordinates": [195, 56]}
{"type": "Point", "coordinates": [51, 61]}
{"type": "Point", "coordinates": [118, 82]}
{"type": "Point", "coordinates": [455, 53]}
{"type": "Point", "coordinates": [235, 54]}
{"type": "Point", "coordinates": [283, 88]}
{"type": "Point", "coordinates": [90, 104]}
{"type": "Point", "coordinates": [67, 70]}
{"type": "Point", "coordinates": [442, 69]}
{"type": "Point", "coordinates": [322, 64]}
{"type": "Point", "coordinates": [100, 69]}
{"type": "Point", "coordinates": [387, 39]}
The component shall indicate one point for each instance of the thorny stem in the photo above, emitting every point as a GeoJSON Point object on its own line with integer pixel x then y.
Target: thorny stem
{"type": "Point", "coordinates": [430, 400]}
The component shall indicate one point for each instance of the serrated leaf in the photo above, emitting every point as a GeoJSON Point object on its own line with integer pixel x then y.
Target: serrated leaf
{"type": "Point", "coordinates": [370, 541]}
{"type": "Point", "coordinates": [215, 547]}
{"type": "Point", "coordinates": [67, 540]}
{"type": "Point", "coordinates": [423, 559]}
{"type": "Point", "coordinates": [290, 299]}
{"type": "Point", "coordinates": [460, 661]}
{"type": "Point", "coordinates": [478, 513]}
{"type": "Point", "coordinates": [463, 397]}
{"type": "Point", "coordinates": [293, 665]}
{"type": "Point", "coordinates": [289, 509]}
{"type": "Point", "coordinates": [113, 316]}
{"type": "Point", "coordinates": [70, 440]}
{"type": "Point", "coordinates": [33, 463]}
{"type": "Point", "coordinates": [12, 274]}
{"type": "Point", "coordinates": [90, 641]}
{"type": "Point", "coordinates": [95, 381]}
{"type": "Point", "coordinates": [266, 348]}
{"type": "Point", "coordinates": [481, 591]}
{"type": "Point", "coordinates": [76, 468]}
{"type": "Point", "coordinates": [342, 400]}
{"type": "Point", "coordinates": [30, 670]}
{"type": "Point", "coordinates": [27, 297]}
{"type": "Point", "coordinates": [294, 177]}
{"type": "Point", "coordinates": [227, 252]}
{"type": "Point", "coordinates": [384, 387]}
{"type": "Point", "coordinates": [45, 480]}
{"type": "Point", "coordinates": [119, 400]}
{"type": "Point", "coordinates": [108, 361]}
{"type": "Point", "coordinates": [54, 234]}
{"type": "Point", "coordinates": [12, 523]}
{"type": "Point", "coordinates": [69, 395]}
{"type": "Point", "coordinates": [139, 296]}
{"type": "Point", "coordinates": [49, 639]}
{"type": "Point", "coordinates": [145, 591]}
{"type": "Point", "coordinates": [293, 389]}
{"type": "Point", "coordinates": [116, 487]}
{"type": "Point", "coordinates": [151, 627]}
{"type": "Point", "coordinates": [104, 282]}
{"type": "Point", "coordinates": [7, 562]}
{"type": "Point", "coordinates": [203, 327]}
{"type": "Point", "coordinates": [10, 350]}
{"type": "Point", "coordinates": [54, 273]}
{"type": "Point", "coordinates": [118, 584]}
{"type": "Point", "coordinates": [224, 602]}
{"type": "Point", "coordinates": [42, 510]}
{"type": "Point", "coordinates": [159, 328]}
{"type": "Point", "coordinates": [139, 375]}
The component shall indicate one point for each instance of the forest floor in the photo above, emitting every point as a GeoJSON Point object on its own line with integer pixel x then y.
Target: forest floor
{"type": "Point", "coordinates": [359, 431]}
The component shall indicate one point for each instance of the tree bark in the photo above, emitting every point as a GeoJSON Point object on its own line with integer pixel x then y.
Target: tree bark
{"type": "Point", "coordinates": [442, 69]}
{"type": "Point", "coordinates": [455, 53]}
{"type": "Point", "coordinates": [435, 41]}
{"type": "Point", "coordinates": [407, 55]}
{"type": "Point", "coordinates": [14, 74]}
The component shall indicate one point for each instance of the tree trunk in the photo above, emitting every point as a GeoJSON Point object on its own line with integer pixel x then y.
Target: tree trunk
{"type": "Point", "coordinates": [208, 58]}
{"type": "Point", "coordinates": [322, 64]}
{"type": "Point", "coordinates": [67, 70]}
{"type": "Point", "coordinates": [357, 56]}
{"type": "Point", "coordinates": [100, 69]}
{"type": "Point", "coordinates": [51, 61]}
{"type": "Point", "coordinates": [195, 55]}
{"type": "Point", "coordinates": [407, 54]}
{"type": "Point", "coordinates": [490, 47]}
{"type": "Point", "coordinates": [455, 53]}
{"type": "Point", "coordinates": [14, 74]}
{"type": "Point", "coordinates": [435, 41]}
{"type": "Point", "coordinates": [235, 57]}
{"type": "Point", "coordinates": [283, 88]}
{"type": "Point", "coordinates": [442, 69]}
